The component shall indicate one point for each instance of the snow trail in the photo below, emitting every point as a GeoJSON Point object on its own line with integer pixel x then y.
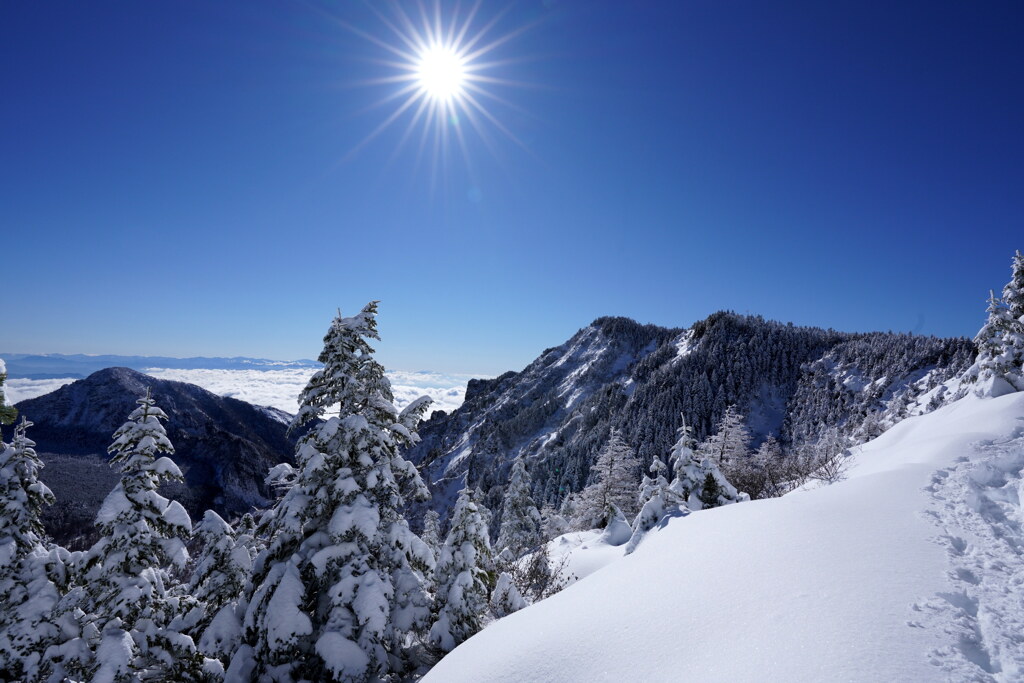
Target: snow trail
{"type": "Point", "coordinates": [976, 502]}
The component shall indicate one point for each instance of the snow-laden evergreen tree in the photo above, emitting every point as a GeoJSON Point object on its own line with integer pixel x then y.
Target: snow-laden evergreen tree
{"type": "Point", "coordinates": [480, 498]}
{"type": "Point", "coordinates": [505, 598]}
{"type": "Point", "coordinates": [219, 577]}
{"type": "Point", "coordinates": [653, 484]}
{"type": "Point", "coordinates": [730, 443]}
{"type": "Point", "coordinates": [129, 617]}
{"type": "Point", "coordinates": [690, 476]}
{"type": "Point", "coordinates": [432, 531]}
{"type": "Point", "coordinates": [687, 477]}
{"type": "Point", "coordinates": [999, 367]}
{"type": "Point", "coordinates": [338, 593]}
{"type": "Point", "coordinates": [613, 487]}
{"type": "Point", "coordinates": [521, 524]}
{"type": "Point", "coordinates": [710, 492]}
{"type": "Point", "coordinates": [1013, 292]}
{"type": "Point", "coordinates": [7, 412]}
{"type": "Point", "coordinates": [656, 501]}
{"type": "Point", "coordinates": [247, 534]}
{"type": "Point", "coordinates": [31, 574]}
{"type": "Point", "coordinates": [464, 576]}
{"type": "Point", "coordinates": [995, 367]}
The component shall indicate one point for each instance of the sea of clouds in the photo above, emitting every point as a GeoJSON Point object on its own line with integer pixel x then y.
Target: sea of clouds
{"type": "Point", "coordinates": [277, 388]}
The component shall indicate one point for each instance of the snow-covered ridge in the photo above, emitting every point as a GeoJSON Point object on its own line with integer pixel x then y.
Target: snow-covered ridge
{"type": "Point", "coordinates": [616, 373]}
{"type": "Point", "coordinates": [912, 569]}
{"type": "Point", "coordinates": [539, 399]}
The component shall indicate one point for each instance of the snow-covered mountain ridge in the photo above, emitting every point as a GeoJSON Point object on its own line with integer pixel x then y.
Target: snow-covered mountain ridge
{"type": "Point", "coordinates": [615, 373]}
{"type": "Point", "coordinates": [911, 569]}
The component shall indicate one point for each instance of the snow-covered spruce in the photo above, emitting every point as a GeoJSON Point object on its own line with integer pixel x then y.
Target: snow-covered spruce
{"type": "Point", "coordinates": [7, 412]}
{"type": "Point", "coordinates": [521, 523]}
{"type": "Point", "coordinates": [125, 620]}
{"type": "Point", "coordinates": [338, 592]}
{"type": "Point", "coordinates": [463, 576]}
{"type": "Point", "coordinates": [219, 578]}
{"type": "Point", "coordinates": [730, 444]}
{"type": "Point", "coordinates": [432, 531]}
{"type": "Point", "coordinates": [691, 477]}
{"type": "Point", "coordinates": [31, 574]}
{"type": "Point", "coordinates": [656, 501]}
{"type": "Point", "coordinates": [654, 484]}
{"type": "Point", "coordinates": [999, 368]}
{"type": "Point", "coordinates": [505, 598]}
{"type": "Point", "coordinates": [613, 487]}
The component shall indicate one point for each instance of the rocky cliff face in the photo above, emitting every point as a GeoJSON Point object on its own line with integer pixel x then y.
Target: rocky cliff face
{"type": "Point", "coordinates": [224, 446]}
{"type": "Point", "coordinates": [615, 373]}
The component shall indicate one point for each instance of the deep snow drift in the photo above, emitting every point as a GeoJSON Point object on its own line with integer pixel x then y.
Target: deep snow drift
{"type": "Point", "coordinates": [911, 569]}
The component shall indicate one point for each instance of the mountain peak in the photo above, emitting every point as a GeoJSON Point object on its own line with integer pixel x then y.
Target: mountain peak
{"type": "Point", "coordinates": [223, 446]}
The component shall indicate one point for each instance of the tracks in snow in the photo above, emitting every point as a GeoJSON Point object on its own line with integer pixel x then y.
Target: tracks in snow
{"type": "Point", "coordinates": [977, 505]}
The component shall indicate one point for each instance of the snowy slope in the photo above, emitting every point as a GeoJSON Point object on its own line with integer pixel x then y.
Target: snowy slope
{"type": "Point", "coordinates": [910, 570]}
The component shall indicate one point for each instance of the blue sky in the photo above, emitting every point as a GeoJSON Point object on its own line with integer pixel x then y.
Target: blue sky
{"type": "Point", "coordinates": [187, 178]}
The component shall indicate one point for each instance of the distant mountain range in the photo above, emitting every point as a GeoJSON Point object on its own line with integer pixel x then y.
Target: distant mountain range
{"type": "Point", "coordinates": [79, 365]}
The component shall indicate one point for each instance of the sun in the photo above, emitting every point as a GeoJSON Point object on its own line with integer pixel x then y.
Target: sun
{"type": "Point", "coordinates": [441, 73]}
{"type": "Point", "coordinates": [444, 74]}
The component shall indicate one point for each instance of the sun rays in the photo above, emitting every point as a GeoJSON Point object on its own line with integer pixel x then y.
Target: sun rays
{"type": "Point", "coordinates": [442, 90]}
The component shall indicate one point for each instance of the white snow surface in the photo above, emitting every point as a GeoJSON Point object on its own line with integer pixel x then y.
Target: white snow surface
{"type": "Point", "coordinates": [912, 570]}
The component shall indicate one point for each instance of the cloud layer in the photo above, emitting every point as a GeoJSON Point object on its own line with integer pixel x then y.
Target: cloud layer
{"type": "Point", "coordinates": [21, 389]}
{"type": "Point", "coordinates": [277, 388]}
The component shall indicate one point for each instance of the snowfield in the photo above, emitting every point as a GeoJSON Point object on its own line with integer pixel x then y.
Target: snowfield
{"type": "Point", "coordinates": [911, 570]}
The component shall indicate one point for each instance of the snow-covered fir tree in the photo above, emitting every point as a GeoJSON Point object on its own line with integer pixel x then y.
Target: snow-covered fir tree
{"type": "Point", "coordinates": [219, 578]}
{"type": "Point", "coordinates": [23, 495]}
{"type": "Point", "coordinates": [730, 443]}
{"type": "Point", "coordinates": [7, 412]}
{"type": "Point", "coordinates": [690, 476]}
{"type": "Point", "coordinates": [710, 492]}
{"type": "Point", "coordinates": [521, 524]}
{"type": "Point", "coordinates": [247, 534]}
{"type": "Point", "coordinates": [129, 624]}
{"type": "Point", "coordinates": [653, 484]}
{"type": "Point", "coordinates": [999, 367]}
{"type": "Point", "coordinates": [31, 574]}
{"type": "Point", "coordinates": [613, 487]}
{"type": "Point", "coordinates": [655, 499]}
{"type": "Point", "coordinates": [338, 592]}
{"type": "Point", "coordinates": [464, 575]}
{"type": "Point", "coordinates": [432, 531]}
{"type": "Point", "coordinates": [687, 477]}
{"type": "Point", "coordinates": [505, 598]}
{"type": "Point", "coordinates": [1013, 292]}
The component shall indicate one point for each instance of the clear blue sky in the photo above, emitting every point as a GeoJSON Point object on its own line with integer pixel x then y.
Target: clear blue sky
{"type": "Point", "coordinates": [186, 178]}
